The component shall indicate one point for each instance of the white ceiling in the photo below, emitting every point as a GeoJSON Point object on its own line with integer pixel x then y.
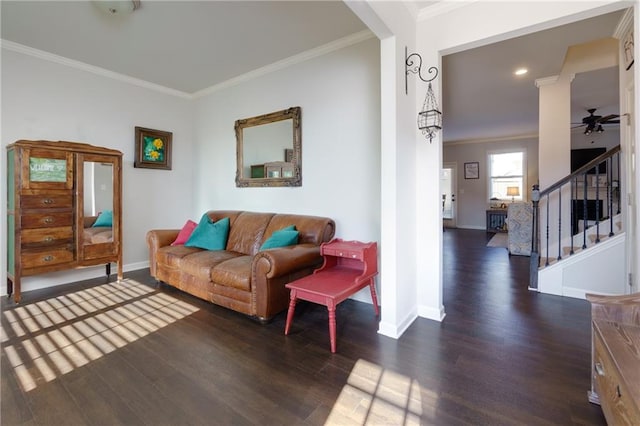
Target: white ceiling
{"type": "Point", "coordinates": [191, 46]}
{"type": "Point", "coordinates": [483, 98]}
{"type": "Point", "coordinates": [183, 45]}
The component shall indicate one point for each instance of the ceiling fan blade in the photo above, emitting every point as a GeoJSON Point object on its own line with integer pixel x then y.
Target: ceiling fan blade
{"type": "Point", "coordinates": [607, 118]}
{"type": "Point", "coordinates": [579, 125]}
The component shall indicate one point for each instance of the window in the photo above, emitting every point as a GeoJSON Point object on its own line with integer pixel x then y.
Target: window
{"type": "Point", "coordinates": [506, 169]}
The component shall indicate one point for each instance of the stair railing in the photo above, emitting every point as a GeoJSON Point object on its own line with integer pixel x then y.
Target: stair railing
{"type": "Point", "coordinates": [584, 205]}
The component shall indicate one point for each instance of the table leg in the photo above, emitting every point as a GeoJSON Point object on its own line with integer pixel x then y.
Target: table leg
{"type": "Point", "coordinates": [332, 325]}
{"type": "Point", "coordinates": [292, 308]}
{"type": "Point", "coordinates": [374, 298]}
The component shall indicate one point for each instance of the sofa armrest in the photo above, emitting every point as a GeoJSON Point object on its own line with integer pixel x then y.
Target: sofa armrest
{"type": "Point", "coordinates": [157, 238]}
{"type": "Point", "coordinates": [284, 260]}
{"type": "Point", "coordinates": [272, 269]}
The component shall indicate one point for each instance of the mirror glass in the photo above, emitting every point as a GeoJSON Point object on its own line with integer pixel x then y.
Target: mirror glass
{"type": "Point", "coordinates": [268, 149]}
{"type": "Point", "coordinates": [98, 202]}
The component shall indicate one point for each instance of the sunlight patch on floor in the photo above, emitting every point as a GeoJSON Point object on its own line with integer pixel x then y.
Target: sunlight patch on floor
{"type": "Point", "coordinates": [374, 395]}
{"type": "Point", "coordinates": [50, 338]}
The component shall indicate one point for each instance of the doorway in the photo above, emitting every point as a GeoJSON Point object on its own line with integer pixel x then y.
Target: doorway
{"type": "Point", "coordinates": [448, 186]}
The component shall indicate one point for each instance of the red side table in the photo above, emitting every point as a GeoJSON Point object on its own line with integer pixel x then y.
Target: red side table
{"type": "Point", "coordinates": [348, 267]}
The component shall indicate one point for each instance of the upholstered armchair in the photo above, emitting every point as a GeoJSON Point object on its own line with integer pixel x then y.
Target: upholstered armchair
{"type": "Point", "coordinates": [519, 226]}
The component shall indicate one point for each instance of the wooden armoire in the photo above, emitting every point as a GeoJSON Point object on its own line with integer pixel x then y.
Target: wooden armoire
{"type": "Point", "coordinates": [64, 209]}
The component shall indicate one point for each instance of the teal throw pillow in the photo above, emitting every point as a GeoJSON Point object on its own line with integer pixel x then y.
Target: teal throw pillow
{"type": "Point", "coordinates": [104, 219]}
{"type": "Point", "coordinates": [285, 237]}
{"type": "Point", "coordinates": [210, 235]}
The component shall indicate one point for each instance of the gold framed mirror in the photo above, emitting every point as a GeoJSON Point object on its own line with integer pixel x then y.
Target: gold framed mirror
{"type": "Point", "coordinates": [268, 149]}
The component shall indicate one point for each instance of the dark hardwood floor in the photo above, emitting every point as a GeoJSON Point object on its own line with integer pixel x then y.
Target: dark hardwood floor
{"type": "Point", "coordinates": [142, 354]}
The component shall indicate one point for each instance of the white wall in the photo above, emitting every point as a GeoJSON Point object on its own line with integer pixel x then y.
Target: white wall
{"type": "Point", "coordinates": [472, 198]}
{"type": "Point", "coordinates": [459, 27]}
{"type": "Point", "coordinates": [339, 98]}
{"type": "Point", "coordinates": [46, 100]}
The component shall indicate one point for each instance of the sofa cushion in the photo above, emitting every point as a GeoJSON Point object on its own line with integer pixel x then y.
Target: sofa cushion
{"type": "Point", "coordinates": [104, 219]}
{"type": "Point", "coordinates": [102, 237]}
{"type": "Point", "coordinates": [312, 229]}
{"type": "Point", "coordinates": [97, 235]}
{"type": "Point", "coordinates": [234, 273]}
{"type": "Point", "coordinates": [200, 264]}
{"type": "Point", "coordinates": [210, 235]}
{"type": "Point", "coordinates": [247, 232]}
{"type": "Point", "coordinates": [282, 238]}
{"type": "Point", "coordinates": [172, 255]}
{"type": "Point", "coordinates": [185, 233]}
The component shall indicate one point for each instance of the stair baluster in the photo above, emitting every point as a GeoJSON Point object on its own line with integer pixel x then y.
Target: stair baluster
{"type": "Point", "coordinates": [610, 194]}
{"type": "Point", "coordinates": [585, 215]}
{"type": "Point", "coordinates": [574, 180]}
{"type": "Point", "coordinates": [559, 225]}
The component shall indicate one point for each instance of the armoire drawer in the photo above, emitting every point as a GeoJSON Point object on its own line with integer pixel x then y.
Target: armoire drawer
{"type": "Point", "coordinates": [615, 398]}
{"type": "Point", "coordinates": [47, 220]}
{"type": "Point", "coordinates": [46, 236]}
{"type": "Point", "coordinates": [44, 201]}
{"type": "Point", "coordinates": [39, 258]}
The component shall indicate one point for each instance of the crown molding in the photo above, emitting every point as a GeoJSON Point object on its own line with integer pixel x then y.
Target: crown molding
{"type": "Point", "coordinates": [625, 24]}
{"type": "Point", "coordinates": [292, 60]}
{"type": "Point", "coordinates": [440, 8]}
{"type": "Point", "coordinates": [488, 140]}
{"type": "Point", "coordinates": [545, 81]}
{"type": "Point", "coordinates": [26, 50]}
{"type": "Point", "coordinates": [276, 66]}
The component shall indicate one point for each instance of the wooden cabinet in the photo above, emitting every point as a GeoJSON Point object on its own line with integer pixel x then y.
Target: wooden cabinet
{"type": "Point", "coordinates": [51, 188]}
{"type": "Point", "coordinates": [615, 374]}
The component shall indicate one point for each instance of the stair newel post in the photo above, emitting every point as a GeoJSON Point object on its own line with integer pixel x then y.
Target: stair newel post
{"type": "Point", "coordinates": [584, 212]}
{"type": "Point", "coordinates": [559, 223]}
{"type": "Point", "coordinates": [534, 261]}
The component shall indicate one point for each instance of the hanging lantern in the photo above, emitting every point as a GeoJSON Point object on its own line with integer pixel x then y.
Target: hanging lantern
{"type": "Point", "coordinates": [430, 117]}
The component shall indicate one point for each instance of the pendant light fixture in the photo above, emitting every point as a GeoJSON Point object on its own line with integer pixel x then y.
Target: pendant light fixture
{"type": "Point", "coordinates": [429, 117]}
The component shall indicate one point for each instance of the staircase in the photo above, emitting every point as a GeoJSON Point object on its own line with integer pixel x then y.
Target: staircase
{"type": "Point", "coordinates": [578, 236]}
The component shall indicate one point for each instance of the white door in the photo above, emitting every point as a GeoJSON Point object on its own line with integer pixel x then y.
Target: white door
{"type": "Point", "coordinates": [631, 202]}
{"type": "Point", "coordinates": [448, 187]}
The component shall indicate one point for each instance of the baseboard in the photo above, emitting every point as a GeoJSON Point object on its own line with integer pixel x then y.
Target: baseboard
{"type": "Point", "coordinates": [479, 228]}
{"type": "Point", "coordinates": [52, 279]}
{"type": "Point", "coordinates": [432, 313]}
{"type": "Point", "coordinates": [396, 330]}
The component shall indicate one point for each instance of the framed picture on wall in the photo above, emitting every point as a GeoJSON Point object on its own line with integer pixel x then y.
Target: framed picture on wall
{"type": "Point", "coordinates": [472, 170]}
{"type": "Point", "coordinates": [153, 149]}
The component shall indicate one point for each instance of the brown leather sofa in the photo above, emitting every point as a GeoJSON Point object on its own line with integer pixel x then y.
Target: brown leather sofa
{"type": "Point", "coordinates": [241, 277]}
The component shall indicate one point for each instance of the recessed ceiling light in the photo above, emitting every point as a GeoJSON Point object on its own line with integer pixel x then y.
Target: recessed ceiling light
{"type": "Point", "coordinates": [521, 71]}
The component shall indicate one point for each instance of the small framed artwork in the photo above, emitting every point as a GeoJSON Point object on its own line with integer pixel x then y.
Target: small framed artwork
{"type": "Point", "coordinates": [288, 155]}
{"type": "Point", "coordinates": [472, 170]}
{"type": "Point", "coordinates": [153, 149]}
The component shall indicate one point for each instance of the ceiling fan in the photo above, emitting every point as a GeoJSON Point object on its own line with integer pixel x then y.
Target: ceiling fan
{"type": "Point", "coordinates": [594, 122]}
